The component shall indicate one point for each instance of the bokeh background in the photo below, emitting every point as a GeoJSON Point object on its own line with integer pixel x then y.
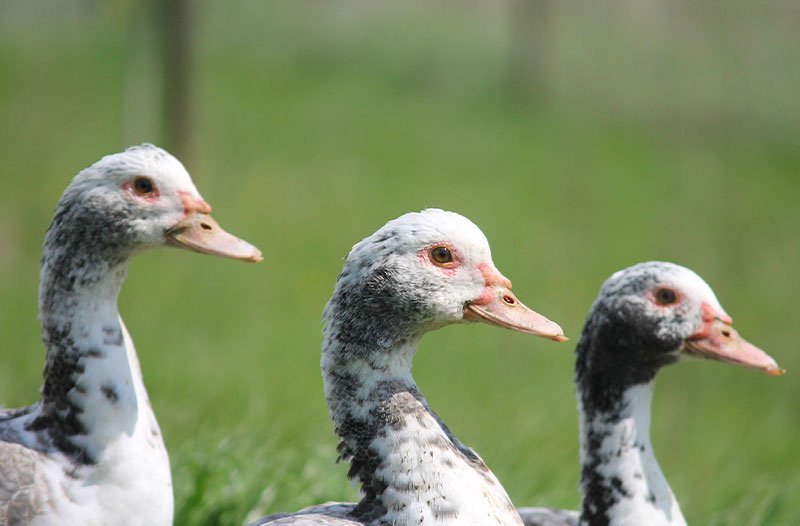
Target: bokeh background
{"type": "Point", "coordinates": [581, 136]}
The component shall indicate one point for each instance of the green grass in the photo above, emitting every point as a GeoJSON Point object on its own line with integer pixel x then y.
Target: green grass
{"type": "Point", "coordinates": [315, 125]}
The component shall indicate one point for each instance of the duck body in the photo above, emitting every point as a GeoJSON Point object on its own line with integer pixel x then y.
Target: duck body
{"type": "Point", "coordinates": [621, 480]}
{"type": "Point", "coordinates": [77, 475]}
{"type": "Point", "coordinates": [102, 456]}
{"type": "Point", "coordinates": [646, 317]}
{"type": "Point", "coordinates": [418, 273]}
{"type": "Point", "coordinates": [90, 451]}
{"type": "Point", "coordinates": [413, 470]}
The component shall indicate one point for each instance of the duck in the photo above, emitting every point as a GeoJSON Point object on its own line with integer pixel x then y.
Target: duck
{"type": "Point", "coordinates": [645, 317]}
{"type": "Point", "coordinates": [90, 451]}
{"type": "Point", "coordinates": [419, 272]}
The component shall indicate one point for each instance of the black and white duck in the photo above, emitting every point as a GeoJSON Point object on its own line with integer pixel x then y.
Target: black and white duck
{"type": "Point", "coordinates": [646, 316]}
{"type": "Point", "coordinates": [90, 451]}
{"type": "Point", "coordinates": [416, 274]}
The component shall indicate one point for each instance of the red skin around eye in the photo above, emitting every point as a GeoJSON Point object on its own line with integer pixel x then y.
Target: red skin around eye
{"type": "Point", "coordinates": [128, 187]}
{"type": "Point", "coordinates": [447, 268]}
{"type": "Point", "coordinates": [191, 204]}
{"type": "Point", "coordinates": [652, 297]}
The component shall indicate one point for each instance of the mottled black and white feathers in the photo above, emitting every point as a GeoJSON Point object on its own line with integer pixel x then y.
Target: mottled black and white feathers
{"type": "Point", "coordinates": [645, 317]}
{"type": "Point", "coordinates": [90, 450]}
{"type": "Point", "coordinates": [396, 285]}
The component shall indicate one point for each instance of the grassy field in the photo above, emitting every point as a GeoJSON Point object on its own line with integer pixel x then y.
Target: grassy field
{"type": "Point", "coordinates": [317, 123]}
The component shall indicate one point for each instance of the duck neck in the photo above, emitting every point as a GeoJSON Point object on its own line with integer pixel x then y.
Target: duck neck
{"type": "Point", "coordinates": [412, 468]}
{"type": "Point", "coordinates": [621, 482]}
{"type": "Point", "coordinates": [93, 389]}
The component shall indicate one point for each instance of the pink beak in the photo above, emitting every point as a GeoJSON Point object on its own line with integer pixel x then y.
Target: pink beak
{"type": "Point", "coordinates": [199, 232]}
{"type": "Point", "coordinates": [499, 306]}
{"type": "Point", "coordinates": [718, 340]}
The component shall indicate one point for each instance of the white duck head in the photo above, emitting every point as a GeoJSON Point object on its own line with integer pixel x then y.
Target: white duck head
{"type": "Point", "coordinates": [136, 200]}
{"type": "Point", "coordinates": [425, 270]}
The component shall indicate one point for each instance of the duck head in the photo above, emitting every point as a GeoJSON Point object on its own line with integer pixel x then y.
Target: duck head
{"type": "Point", "coordinates": [656, 313]}
{"type": "Point", "coordinates": [428, 269]}
{"type": "Point", "coordinates": [141, 199]}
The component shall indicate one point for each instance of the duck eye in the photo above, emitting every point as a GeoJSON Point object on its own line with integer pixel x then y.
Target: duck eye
{"type": "Point", "coordinates": [665, 296]}
{"type": "Point", "coordinates": [144, 186]}
{"type": "Point", "coordinates": [441, 255]}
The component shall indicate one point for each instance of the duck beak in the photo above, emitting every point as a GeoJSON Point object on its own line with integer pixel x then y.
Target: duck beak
{"type": "Point", "coordinates": [499, 306]}
{"type": "Point", "coordinates": [718, 340]}
{"type": "Point", "coordinates": [199, 232]}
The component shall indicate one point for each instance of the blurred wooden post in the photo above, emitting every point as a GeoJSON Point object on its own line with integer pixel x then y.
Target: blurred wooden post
{"type": "Point", "coordinates": [531, 23]}
{"type": "Point", "coordinates": [174, 20]}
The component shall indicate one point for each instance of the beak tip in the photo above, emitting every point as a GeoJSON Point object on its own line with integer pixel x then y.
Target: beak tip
{"type": "Point", "coordinates": [560, 338]}
{"type": "Point", "coordinates": [775, 371]}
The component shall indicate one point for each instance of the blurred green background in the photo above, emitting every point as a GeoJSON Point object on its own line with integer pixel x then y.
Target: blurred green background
{"type": "Point", "coordinates": [582, 137]}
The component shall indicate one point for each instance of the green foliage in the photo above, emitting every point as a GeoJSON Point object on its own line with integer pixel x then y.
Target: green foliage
{"type": "Point", "coordinates": [315, 124]}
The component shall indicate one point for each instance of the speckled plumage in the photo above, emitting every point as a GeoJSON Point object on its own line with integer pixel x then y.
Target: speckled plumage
{"type": "Point", "coordinates": [627, 338]}
{"type": "Point", "coordinates": [90, 451]}
{"type": "Point", "coordinates": [411, 467]}
{"type": "Point", "coordinates": [625, 341]}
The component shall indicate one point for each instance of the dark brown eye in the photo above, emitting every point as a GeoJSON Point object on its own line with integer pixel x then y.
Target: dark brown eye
{"type": "Point", "coordinates": [441, 255]}
{"type": "Point", "coordinates": [144, 186]}
{"type": "Point", "coordinates": [665, 296]}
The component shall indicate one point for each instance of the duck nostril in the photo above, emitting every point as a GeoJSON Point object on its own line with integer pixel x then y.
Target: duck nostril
{"type": "Point", "coordinates": [205, 226]}
{"type": "Point", "coordinates": [726, 333]}
{"type": "Point", "coordinates": [509, 300]}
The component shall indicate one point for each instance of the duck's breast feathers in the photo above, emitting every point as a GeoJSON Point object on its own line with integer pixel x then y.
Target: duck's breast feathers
{"type": "Point", "coordinates": [24, 493]}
